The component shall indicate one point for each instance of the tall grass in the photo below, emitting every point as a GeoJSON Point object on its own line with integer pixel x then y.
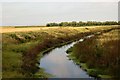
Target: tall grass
{"type": "Point", "coordinates": [101, 54]}
{"type": "Point", "coordinates": [22, 50]}
{"type": "Point", "coordinates": [17, 45]}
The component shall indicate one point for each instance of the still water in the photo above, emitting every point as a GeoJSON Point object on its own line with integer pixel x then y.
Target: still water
{"type": "Point", "coordinates": [57, 63]}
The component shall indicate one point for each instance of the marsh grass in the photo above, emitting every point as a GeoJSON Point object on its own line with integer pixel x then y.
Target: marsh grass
{"type": "Point", "coordinates": [22, 50]}
{"type": "Point", "coordinates": [16, 45]}
{"type": "Point", "coordinates": [100, 54]}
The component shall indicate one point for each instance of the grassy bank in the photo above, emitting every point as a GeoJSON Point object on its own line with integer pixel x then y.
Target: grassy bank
{"type": "Point", "coordinates": [99, 55]}
{"type": "Point", "coordinates": [22, 50]}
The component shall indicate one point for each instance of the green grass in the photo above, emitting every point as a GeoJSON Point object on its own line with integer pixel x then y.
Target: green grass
{"type": "Point", "coordinates": [42, 74]}
{"type": "Point", "coordinates": [24, 49]}
{"type": "Point", "coordinates": [15, 44]}
{"type": "Point", "coordinates": [105, 76]}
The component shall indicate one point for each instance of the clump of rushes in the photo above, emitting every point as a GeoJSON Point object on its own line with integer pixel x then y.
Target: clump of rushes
{"type": "Point", "coordinates": [100, 54]}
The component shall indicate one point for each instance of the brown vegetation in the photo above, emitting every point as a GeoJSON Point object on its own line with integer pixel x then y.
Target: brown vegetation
{"type": "Point", "coordinates": [101, 54]}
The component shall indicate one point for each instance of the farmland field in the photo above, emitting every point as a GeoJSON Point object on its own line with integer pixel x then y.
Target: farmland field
{"type": "Point", "coordinates": [22, 48]}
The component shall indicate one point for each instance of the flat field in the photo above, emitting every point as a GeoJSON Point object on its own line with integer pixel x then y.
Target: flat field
{"type": "Point", "coordinates": [27, 29]}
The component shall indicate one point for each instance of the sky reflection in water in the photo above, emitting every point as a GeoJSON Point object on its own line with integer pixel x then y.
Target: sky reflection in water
{"type": "Point", "coordinates": [57, 63]}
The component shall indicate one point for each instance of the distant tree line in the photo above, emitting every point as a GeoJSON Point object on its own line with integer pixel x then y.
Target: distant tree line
{"type": "Point", "coordinates": [80, 23]}
{"type": "Point", "coordinates": [118, 22]}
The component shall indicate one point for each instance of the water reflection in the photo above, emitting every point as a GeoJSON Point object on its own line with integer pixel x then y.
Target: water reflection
{"type": "Point", "coordinates": [89, 36]}
{"type": "Point", "coordinates": [57, 64]}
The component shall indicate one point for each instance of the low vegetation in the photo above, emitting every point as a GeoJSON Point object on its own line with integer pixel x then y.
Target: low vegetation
{"type": "Point", "coordinates": [15, 46]}
{"type": "Point", "coordinates": [99, 55]}
{"type": "Point", "coordinates": [21, 51]}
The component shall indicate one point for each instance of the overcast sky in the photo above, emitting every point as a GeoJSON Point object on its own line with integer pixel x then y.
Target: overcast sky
{"type": "Point", "coordinates": [40, 13]}
{"type": "Point", "coordinates": [59, 0]}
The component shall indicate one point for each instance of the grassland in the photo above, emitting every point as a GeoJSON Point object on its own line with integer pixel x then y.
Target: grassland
{"type": "Point", "coordinates": [9, 29]}
{"type": "Point", "coordinates": [99, 55]}
{"type": "Point", "coordinates": [23, 47]}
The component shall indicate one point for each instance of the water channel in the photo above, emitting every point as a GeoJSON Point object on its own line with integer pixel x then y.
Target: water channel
{"type": "Point", "coordinates": [57, 63]}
